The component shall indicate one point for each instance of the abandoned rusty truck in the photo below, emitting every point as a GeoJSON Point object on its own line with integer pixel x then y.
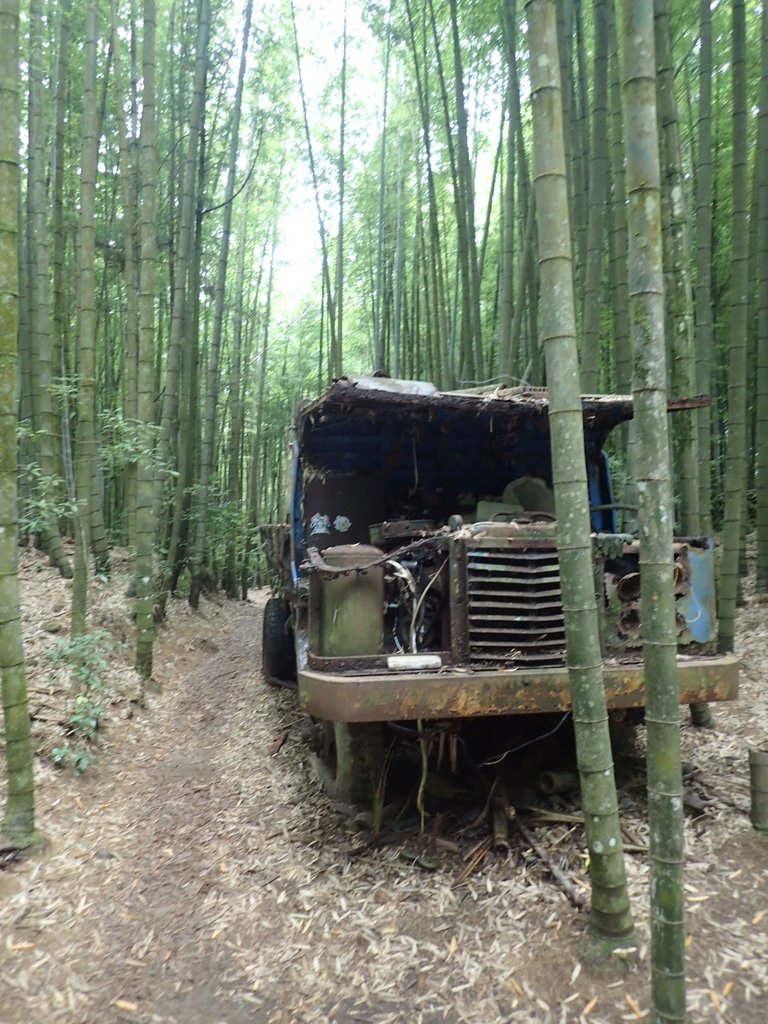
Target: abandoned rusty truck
{"type": "Point", "coordinates": [417, 570]}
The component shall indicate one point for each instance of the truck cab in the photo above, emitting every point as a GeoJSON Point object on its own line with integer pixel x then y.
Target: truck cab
{"type": "Point", "coordinates": [417, 573]}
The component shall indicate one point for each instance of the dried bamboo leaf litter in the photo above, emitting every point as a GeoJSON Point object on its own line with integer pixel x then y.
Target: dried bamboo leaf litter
{"type": "Point", "coordinates": [198, 873]}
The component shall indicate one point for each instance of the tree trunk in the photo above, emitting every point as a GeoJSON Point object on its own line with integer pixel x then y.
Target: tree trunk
{"type": "Point", "coordinates": [378, 341]}
{"type": "Point", "coordinates": [611, 916]}
{"type": "Point", "coordinates": [18, 823]}
{"type": "Point", "coordinates": [188, 434]}
{"type": "Point", "coordinates": [598, 189]}
{"type": "Point", "coordinates": [61, 311]}
{"type": "Point", "coordinates": [677, 277]}
{"type": "Point", "coordinates": [618, 224]}
{"type": "Point", "coordinates": [145, 472]}
{"type": "Point", "coordinates": [761, 377]}
{"type": "Point", "coordinates": [130, 272]}
{"type": "Point", "coordinates": [656, 516]}
{"type": "Point", "coordinates": [468, 368]}
{"type": "Point", "coordinates": [437, 263]}
{"type": "Point", "coordinates": [43, 371]}
{"type": "Point", "coordinates": [334, 365]}
{"type": "Point", "coordinates": [336, 356]}
{"type": "Point", "coordinates": [679, 295]}
{"type": "Point", "coordinates": [467, 186]}
{"type": "Point", "coordinates": [582, 136]}
{"type": "Point", "coordinates": [704, 329]}
{"type": "Point", "coordinates": [507, 341]}
{"type": "Point", "coordinates": [736, 462]}
{"type": "Point", "coordinates": [85, 439]}
{"type": "Point", "coordinates": [183, 254]}
{"type": "Point", "coordinates": [237, 571]}
{"type": "Point", "coordinates": [212, 389]}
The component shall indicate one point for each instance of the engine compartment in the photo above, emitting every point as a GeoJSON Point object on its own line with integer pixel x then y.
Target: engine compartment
{"type": "Point", "coordinates": [424, 523]}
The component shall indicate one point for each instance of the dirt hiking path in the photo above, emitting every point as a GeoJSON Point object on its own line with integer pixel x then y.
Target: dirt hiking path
{"type": "Point", "coordinates": [198, 874]}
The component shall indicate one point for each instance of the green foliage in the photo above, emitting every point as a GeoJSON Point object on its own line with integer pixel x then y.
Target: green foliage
{"type": "Point", "coordinates": [400, 171]}
{"type": "Point", "coordinates": [79, 760]}
{"type": "Point", "coordinates": [64, 391]}
{"type": "Point", "coordinates": [258, 570]}
{"type": "Point", "coordinates": [41, 494]}
{"type": "Point", "coordinates": [42, 502]}
{"type": "Point", "coordinates": [87, 658]}
{"type": "Point", "coordinates": [124, 441]}
{"type": "Point", "coordinates": [225, 520]}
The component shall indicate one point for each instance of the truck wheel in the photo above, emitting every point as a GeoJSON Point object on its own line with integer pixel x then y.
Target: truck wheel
{"type": "Point", "coordinates": [278, 657]}
{"type": "Point", "coordinates": [352, 762]}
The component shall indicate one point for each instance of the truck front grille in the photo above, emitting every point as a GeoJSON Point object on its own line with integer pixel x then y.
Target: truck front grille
{"type": "Point", "coordinates": [515, 611]}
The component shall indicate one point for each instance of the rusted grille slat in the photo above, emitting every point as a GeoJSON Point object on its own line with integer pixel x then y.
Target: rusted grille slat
{"type": "Point", "coordinates": [525, 572]}
{"type": "Point", "coordinates": [524, 555]}
{"type": "Point", "coordinates": [519, 629]}
{"type": "Point", "coordinates": [525, 606]}
{"type": "Point", "coordinates": [502, 584]}
{"type": "Point", "coordinates": [516, 613]}
{"type": "Point", "coordinates": [515, 607]}
{"type": "Point", "coordinates": [492, 623]}
{"type": "Point", "coordinates": [525, 595]}
{"type": "Point", "coordinates": [521, 642]}
{"type": "Point", "coordinates": [541, 659]}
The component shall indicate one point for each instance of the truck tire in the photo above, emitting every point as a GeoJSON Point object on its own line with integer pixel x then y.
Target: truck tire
{"type": "Point", "coordinates": [278, 657]}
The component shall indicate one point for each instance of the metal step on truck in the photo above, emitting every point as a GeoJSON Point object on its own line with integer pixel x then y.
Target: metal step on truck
{"type": "Point", "coordinates": [417, 575]}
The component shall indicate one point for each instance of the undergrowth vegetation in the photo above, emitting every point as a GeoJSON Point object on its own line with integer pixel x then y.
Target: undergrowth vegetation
{"type": "Point", "coordinates": [86, 658]}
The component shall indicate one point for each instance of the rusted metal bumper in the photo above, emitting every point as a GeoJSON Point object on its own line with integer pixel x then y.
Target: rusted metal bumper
{"type": "Point", "coordinates": [456, 694]}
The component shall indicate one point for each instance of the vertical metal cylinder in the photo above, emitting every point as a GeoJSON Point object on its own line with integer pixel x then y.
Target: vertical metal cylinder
{"type": "Point", "coordinates": [352, 617]}
{"type": "Point", "coordinates": [758, 785]}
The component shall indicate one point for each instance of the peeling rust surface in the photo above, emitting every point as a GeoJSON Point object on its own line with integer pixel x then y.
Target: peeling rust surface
{"type": "Point", "coordinates": [367, 395]}
{"type": "Point", "coordinates": [369, 392]}
{"type": "Point", "coordinates": [515, 614]}
{"type": "Point", "coordinates": [454, 492]}
{"type": "Point", "coordinates": [408, 696]}
{"type": "Point", "coordinates": [696, 402]}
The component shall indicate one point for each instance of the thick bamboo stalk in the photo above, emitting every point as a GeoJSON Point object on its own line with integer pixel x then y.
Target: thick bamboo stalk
{"type": "Point", "coordinates": [19, 818]}
{"type": "Point", "coordinates": [85, 438]}
{"type": "Point", "coordinates": [736, 462]}
{"type": "Point", "coordinates": [655, 520]}
{"type": "Point", "coordinates": [212, 385]}
{"type": "Point", "coordinates": [598, 187]}
{"type": "Point", "coordinates": [145, 482]}
{"type": "Point", "coordinates": [611, 916]}
{"type": "Point", "coordinates": [704, 328]}
{"type": "Point", "coordinates": [183, 258]}
{"type": "Point", "coordinates": [676, 237]}
{"type": "Point", "coordinates": [761, 377]}
{"type": "Point", "coordinates": [48, 439]}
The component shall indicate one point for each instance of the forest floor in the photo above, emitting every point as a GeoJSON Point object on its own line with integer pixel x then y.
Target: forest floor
{"type": "Point", "coordinates": [198, 873]}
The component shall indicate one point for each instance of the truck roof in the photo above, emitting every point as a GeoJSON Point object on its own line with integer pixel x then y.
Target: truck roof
{"type": "Point", "coordinates": [474, 439]}
{"type": "Point", "coordinates": [421, 400]}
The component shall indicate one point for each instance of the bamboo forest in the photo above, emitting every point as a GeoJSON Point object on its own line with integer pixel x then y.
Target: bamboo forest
{"type": "Point", "coordinates": [384, 511]}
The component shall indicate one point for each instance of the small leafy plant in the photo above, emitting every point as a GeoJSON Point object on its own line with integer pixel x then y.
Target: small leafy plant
{"type": "Point", "coordinates": [41, 500]}
{"type": "Point", "coordinates": [87, 658]}
{"type": "Point", "coordinates": [80, 760]}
